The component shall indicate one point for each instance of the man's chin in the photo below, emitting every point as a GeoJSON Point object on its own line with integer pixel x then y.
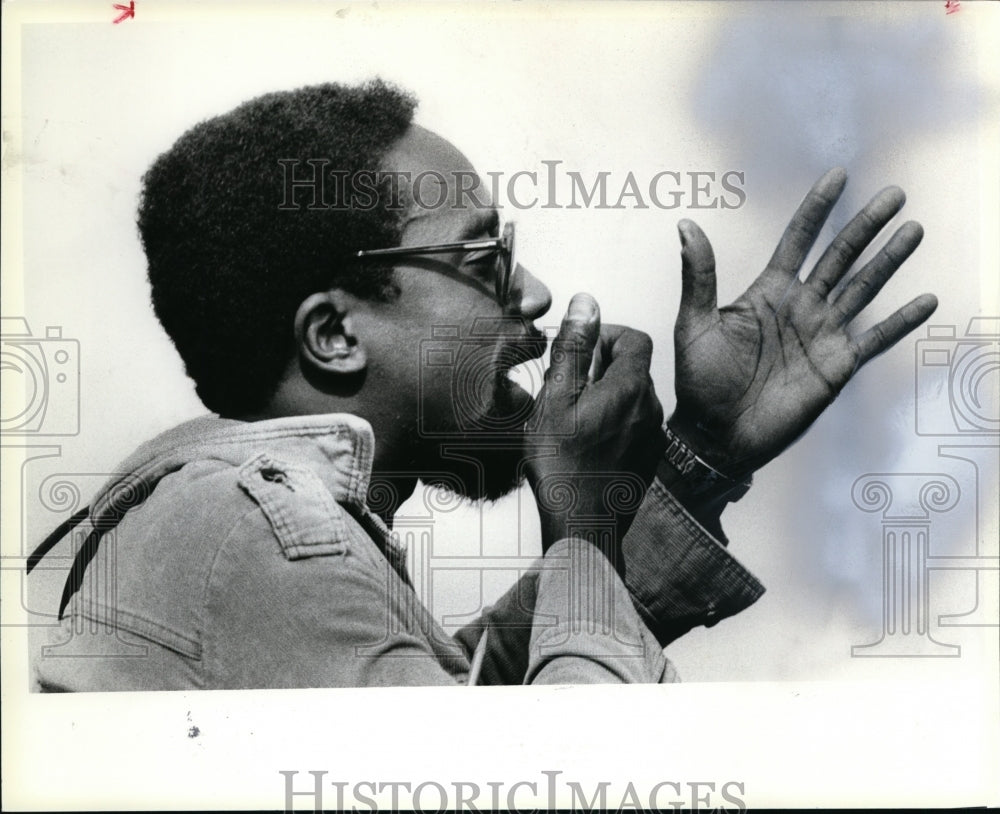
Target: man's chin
{"type": "Point", "coordinates": [483, 475]}
{"type": "Point", "coordinates": [486, 465]}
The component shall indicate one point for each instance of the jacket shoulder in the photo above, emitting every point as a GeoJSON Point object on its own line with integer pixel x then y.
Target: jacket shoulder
{"type": "Point", "coordinates": [302, 513]}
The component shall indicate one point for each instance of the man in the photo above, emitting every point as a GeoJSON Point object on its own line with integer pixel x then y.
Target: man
{"type": "Point", "coordinates": [249, 550]}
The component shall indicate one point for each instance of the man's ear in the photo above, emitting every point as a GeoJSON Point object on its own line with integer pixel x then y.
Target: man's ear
{"type": "Point", "coordinates": [325, 336]}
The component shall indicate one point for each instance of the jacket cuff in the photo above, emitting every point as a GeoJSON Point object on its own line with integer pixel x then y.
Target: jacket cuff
{"type": "Point", "coordinates": [678, 575]}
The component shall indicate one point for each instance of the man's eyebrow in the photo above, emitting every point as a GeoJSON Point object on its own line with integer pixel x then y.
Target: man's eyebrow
{"type": "Point", "coordinates": [489, 223]}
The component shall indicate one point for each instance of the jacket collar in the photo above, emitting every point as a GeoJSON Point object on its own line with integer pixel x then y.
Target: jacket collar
{"type": "Point", "coordinates": [340, 445]}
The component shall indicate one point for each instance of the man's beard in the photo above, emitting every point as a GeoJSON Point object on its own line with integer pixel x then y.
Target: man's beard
{"type": "Point", "coordinates": [487, 469]}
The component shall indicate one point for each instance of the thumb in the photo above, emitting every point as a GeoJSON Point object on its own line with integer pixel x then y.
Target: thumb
{"type": "Point", "coordinates": [697, 272]}
{"type": "Point", "coordinates": [573, 347]}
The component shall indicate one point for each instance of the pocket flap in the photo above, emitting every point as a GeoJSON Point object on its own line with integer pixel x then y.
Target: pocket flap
{"type": "Point", "coordinates": [306, 519]}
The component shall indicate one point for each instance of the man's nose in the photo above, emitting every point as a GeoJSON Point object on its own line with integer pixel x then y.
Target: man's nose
{"type": "Point", "coordinates": [529, 296]}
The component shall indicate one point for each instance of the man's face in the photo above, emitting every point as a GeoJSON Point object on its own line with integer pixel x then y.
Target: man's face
{"type": "Point", "coordinates": [452, 344]}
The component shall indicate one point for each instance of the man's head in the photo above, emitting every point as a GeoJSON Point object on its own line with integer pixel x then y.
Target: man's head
{"type": "Point", "coordinates": [228, 266]}
{"type": "Point", "coordinates": [273, 314]}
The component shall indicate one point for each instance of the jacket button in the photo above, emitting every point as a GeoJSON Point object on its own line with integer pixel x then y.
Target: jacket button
{"type": "Point", "coordinates": [272, 475]}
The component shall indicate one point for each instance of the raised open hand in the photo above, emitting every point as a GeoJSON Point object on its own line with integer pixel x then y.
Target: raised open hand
{"type": "Point", "coordinates": [752, 376]}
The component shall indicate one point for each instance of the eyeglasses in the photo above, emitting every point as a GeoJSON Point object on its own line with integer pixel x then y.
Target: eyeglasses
{"type": "Point", "coordinates": [503, 246]}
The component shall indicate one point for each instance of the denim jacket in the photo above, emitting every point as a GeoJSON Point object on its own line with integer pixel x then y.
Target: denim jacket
{"type": "Point", "coordinates": [233, 554]}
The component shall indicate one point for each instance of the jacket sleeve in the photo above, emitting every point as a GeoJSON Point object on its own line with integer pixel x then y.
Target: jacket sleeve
{"type": "Point", "coordinates": [677, 574]}
{"type": "Point", "coordinates": [569, 619]}
{"type": "Point", "coordinates": [680, 576]}
{"type": "Point", "coordinates": [585, 628]}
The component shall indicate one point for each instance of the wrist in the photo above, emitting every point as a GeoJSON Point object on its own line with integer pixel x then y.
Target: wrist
{"type": "Point", "coordinates": [694, 483]}
{"type": "Point", "coordinates": [705, 508]}
{"type": "Point", "coordinates": [705, 443]}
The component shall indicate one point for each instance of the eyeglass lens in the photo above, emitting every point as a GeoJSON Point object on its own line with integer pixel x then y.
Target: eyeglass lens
{"type": "Point", "coordinates": [505, 264]}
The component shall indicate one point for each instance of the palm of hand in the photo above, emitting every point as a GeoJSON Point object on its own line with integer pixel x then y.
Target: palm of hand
{"type": "Point", "coordinates": [761, 372]}
{"type": "Point", "coordinates": [751, 377]}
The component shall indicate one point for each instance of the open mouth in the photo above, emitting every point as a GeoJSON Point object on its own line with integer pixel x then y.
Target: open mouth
{"type": "Point", "coordinates": [517, 386]}
{"type": "Point", "coordinates": [520, 363]}
{"type": "Point", "coordinates": [494, 385]}
{"type": "Point", "coordinates": [523, 381]}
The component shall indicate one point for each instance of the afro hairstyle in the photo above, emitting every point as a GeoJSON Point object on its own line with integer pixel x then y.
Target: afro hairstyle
{"type": "Point", "coordinates": [229, 261]}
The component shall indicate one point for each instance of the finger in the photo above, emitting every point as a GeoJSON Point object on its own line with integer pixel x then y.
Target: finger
{"type": "Point", "coordinates": [628, 353]}
{"type": "Point", "coordinates": [863, 286]}
{"type": "Point", "coordinates": [596, 369]}
{"type": "Point", "coordinates": [573, 347]}
{"type": "Point", "coordinates": [698, 295]}
{"type": "Point", "coordinates": [853, 238]}
{"type": "Point", "coordinates": [805, 225]}
{"type": "Point", "coordinates": [609, 334]}
{"type": "Point", "coordinates": [889, 331]}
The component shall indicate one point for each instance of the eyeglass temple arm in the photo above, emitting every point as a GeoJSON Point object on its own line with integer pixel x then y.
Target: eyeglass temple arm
{"type": "Point", "coordinates": [468, 245]}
